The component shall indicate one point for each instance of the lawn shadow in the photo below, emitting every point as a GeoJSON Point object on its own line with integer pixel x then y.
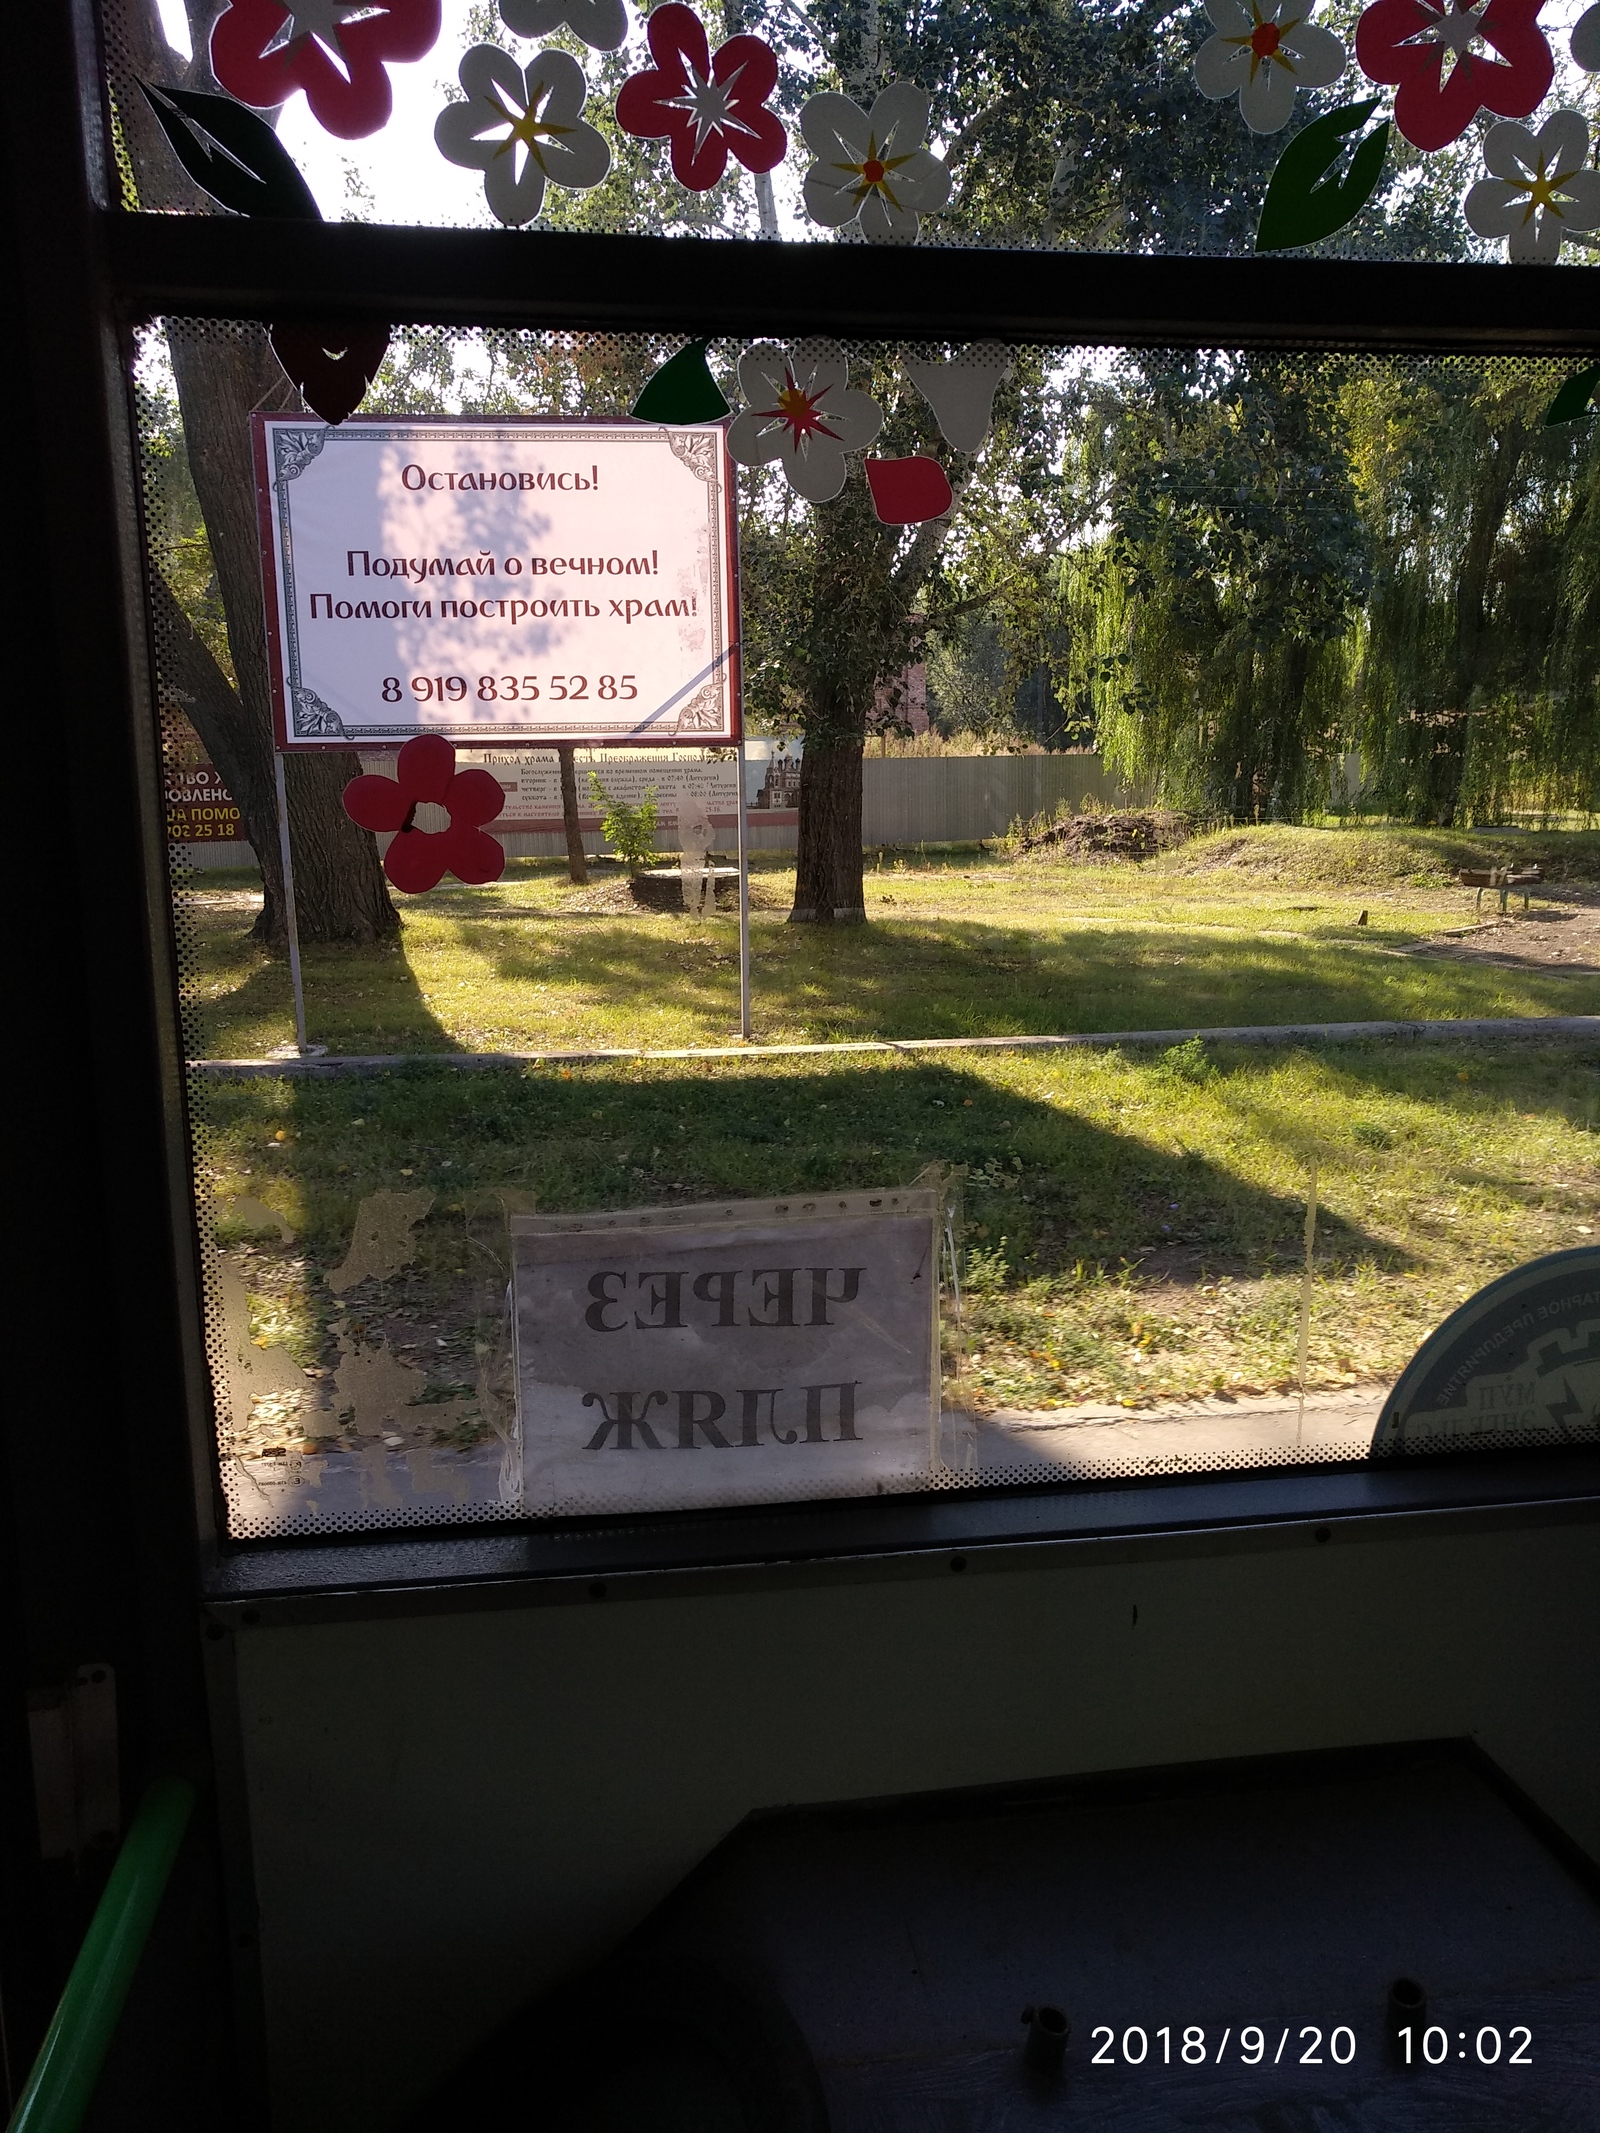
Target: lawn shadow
{"type": "Point", "coordinates": [1044, 1186]}
{"type": "Point", "coordinates": [915, 977]}
{"type": "Point", "coordinates": [369, 1226]}
{"type": "Point", "coordinates": [358, 1000]}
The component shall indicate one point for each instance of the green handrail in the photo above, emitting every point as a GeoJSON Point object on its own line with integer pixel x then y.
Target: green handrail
{"type": "Point", "coordinates": [69, 2061]}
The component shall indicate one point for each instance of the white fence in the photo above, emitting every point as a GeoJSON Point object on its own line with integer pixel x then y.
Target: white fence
{"type": "Point", "coordinates": [906, 800]}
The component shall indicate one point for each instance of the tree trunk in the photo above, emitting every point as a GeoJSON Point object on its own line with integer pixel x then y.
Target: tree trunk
{"type": "Point", "coordinates": [222, 377]}
{"type": "Point", "coordinates": [856, 634]}
{"type": "Point", "coordinates": [191, 682]}
{"type": "Point", "coordinates": [340, 891]}
{"type": "Point", "coordinates": [576, 869]}
{"type": "Point", "coordinates": [828, 885]}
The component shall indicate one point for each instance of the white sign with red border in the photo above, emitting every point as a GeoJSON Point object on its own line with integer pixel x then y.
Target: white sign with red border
{"type": "Point", "coordinates": [505, 582]}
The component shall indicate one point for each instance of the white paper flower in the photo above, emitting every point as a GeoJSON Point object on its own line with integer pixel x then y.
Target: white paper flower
{"type": "Point", "coordinates": [961, 392]}
{"type": "Point", "coordinates": [523, 128]}
{"type": "Point", "coordinates": [1538, 191]}
{"type": "Point", "coordinates": [872, 164]}
{"type": "Point", "coordinates": [803, 414]}
{"type": "Point", "coordinates": [1265, 50]}
{"type": "Point", "coordinates": [601, 23]}
{"type": "Point", "coordinates": [1586, 41]}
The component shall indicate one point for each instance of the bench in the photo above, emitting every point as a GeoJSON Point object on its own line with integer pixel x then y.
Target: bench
{"type": "Point", "coordinates": [1505, 879]}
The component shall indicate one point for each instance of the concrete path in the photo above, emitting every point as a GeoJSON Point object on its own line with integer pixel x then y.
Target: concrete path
{"type": "Point", "coordinates": [1184, 1437]}
{"type": "Point", "coordinates": [1447, 1032]}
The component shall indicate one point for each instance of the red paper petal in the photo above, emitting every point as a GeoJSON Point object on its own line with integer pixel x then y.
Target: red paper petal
{"type": "Point", "coordinates": [642, 109]}
{"type": "Point", "coordinates": [474, 797]}
{"type": "Point", "coordinates": [755, 63]}
{"type": "Point", "coordinates": [406, 30]}
{"type": "Point", "coordinates": [770, 144]}
{"type": "Point", "coordinates": [240, 59]}
{"type": "Point", "coordinates": [426, 767]}
{"type": "Point", "coordinates": [417, 859]}
{"type": "Point", "coordinates": [332, 364]}
{"type": "Point", "coordinates": [697, 168]}
{"type": "Point", "coordinates": [676, 35]}
{"type": "Point", "coordinates": [906, 492]}
{"type": "Point", "coordinates": [474, 856]}
{"type": "Point", "coordinates": [1431, 112]}
{"type": "Point", "coordinates": [349, 107]}
{"type": "Point", "coordinates": [376, 803]}
{"type": "Point", "coordinates": [350, 104]}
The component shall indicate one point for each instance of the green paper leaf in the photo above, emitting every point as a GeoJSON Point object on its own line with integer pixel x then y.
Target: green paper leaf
{"type": "Point", "coordinates": [682, 390]}
{"type": "Point", "coordinates": [1575, 398]}
{"type": "Point", "coordinates": [1298, 210]}
{"type": "Point", "coordinates": [232, 154]}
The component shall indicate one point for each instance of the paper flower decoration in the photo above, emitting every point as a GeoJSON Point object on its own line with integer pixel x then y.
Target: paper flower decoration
{"type": "Point", "coordinates": [523, 127]}
{"type": "Point", "coordinates": [708, 105]}
{"type": "Point", "coordinates": [1538, 190]}
{"type": "Point", "coordinates": [1575, 398]}
{"type": "Point", "coordinates": [961, 393]}
{"type": "Point", "coordinates": [333, 362]}
{"type": "Point", "coordinates": [908, 492]}
{"type": "Point", "coordinates": [682, 390]}
{"type": "Point", "coordinates": [872, 165]}
{"type": "Point", "coordinates": [1586, 41]}
{"type": "Point", "coordinates": [600, 23]}
{"type": "Point", "coordinates": [426, 775]}
{"type": "Point", "coordinates": [1263, 52]}
{"type": "Point", "coordinates": [801, 414]}
{"type": "Point", "coordinates": [1433, 50]}
{"type": "Point", "coordinates": [336, 50]}
{"type": "Point", "coordinates": [1304, 203]}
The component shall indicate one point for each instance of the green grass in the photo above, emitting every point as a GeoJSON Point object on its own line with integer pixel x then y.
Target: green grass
{"type": "Point", "coordinates": [1133, 1223]}
{"type": "Point", "coordinates": [1214, 935]}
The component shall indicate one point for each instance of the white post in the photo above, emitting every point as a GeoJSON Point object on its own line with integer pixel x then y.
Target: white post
{"type": "Point", "coordinates": [744, 908]}
{"type": "Point", "coordinates": [291, 924]}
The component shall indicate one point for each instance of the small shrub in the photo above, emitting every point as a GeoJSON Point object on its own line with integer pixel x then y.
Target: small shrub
{"type": "Point", "coordinates": [630, 831]}
{"type": "Point", "coordinates": [1186, 1062]}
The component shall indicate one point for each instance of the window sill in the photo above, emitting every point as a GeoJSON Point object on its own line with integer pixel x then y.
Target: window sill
{"type": "Point", "coordinates": [433, 1571]}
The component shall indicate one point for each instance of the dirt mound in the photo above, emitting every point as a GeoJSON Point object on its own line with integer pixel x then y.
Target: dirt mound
{"type": "Point", "coordinates": [1128, 833]}
{"type": "Point", "coordinates": [1285, 855]}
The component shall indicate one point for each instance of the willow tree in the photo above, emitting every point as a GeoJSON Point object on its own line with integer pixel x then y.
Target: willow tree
{"type": "Point", "coordinates": [1210, 619]}
{"type": "Point", "coordinates": [1478, 673]}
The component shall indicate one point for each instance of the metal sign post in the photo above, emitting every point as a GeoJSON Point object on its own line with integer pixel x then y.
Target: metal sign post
{"type": "Point", "coordinates": [744, 907]}
{"type": "Point", "coordinates": [291, 924]}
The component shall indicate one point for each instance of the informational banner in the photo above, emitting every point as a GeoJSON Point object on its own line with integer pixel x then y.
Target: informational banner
{"type": "Point", "coordinates": [745, 1353]}
{"type": "Point", "coordinates": [532, 786]}
{"type": "Point", "coordinates": [200, 808]}
{"type": "Point", "coordinates": [1519, 1364]}
{"type": "Point", "coordinates": [503, 582]}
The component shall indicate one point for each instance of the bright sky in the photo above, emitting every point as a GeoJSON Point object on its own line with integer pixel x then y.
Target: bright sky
{"type": "Point", "coordinates": [410, 182]}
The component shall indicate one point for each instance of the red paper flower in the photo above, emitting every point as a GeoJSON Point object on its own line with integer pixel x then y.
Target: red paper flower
{"type": "Point", "coordinates": [908, 492]}
{"type": "Point", "coordinates": [1434, 50]}
{"type": "Point", "coordinates": [262, 52]}
{"type": "Point", "coordinates": [419, 859]}
{"type": "Point", "coordinates": [707, 104]}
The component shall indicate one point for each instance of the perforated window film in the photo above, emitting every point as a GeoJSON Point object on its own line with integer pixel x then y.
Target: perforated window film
{"type": "Point", "coordinates": [1233, 586]}
{"type": "Point", "coordinates": [1095, 127]}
